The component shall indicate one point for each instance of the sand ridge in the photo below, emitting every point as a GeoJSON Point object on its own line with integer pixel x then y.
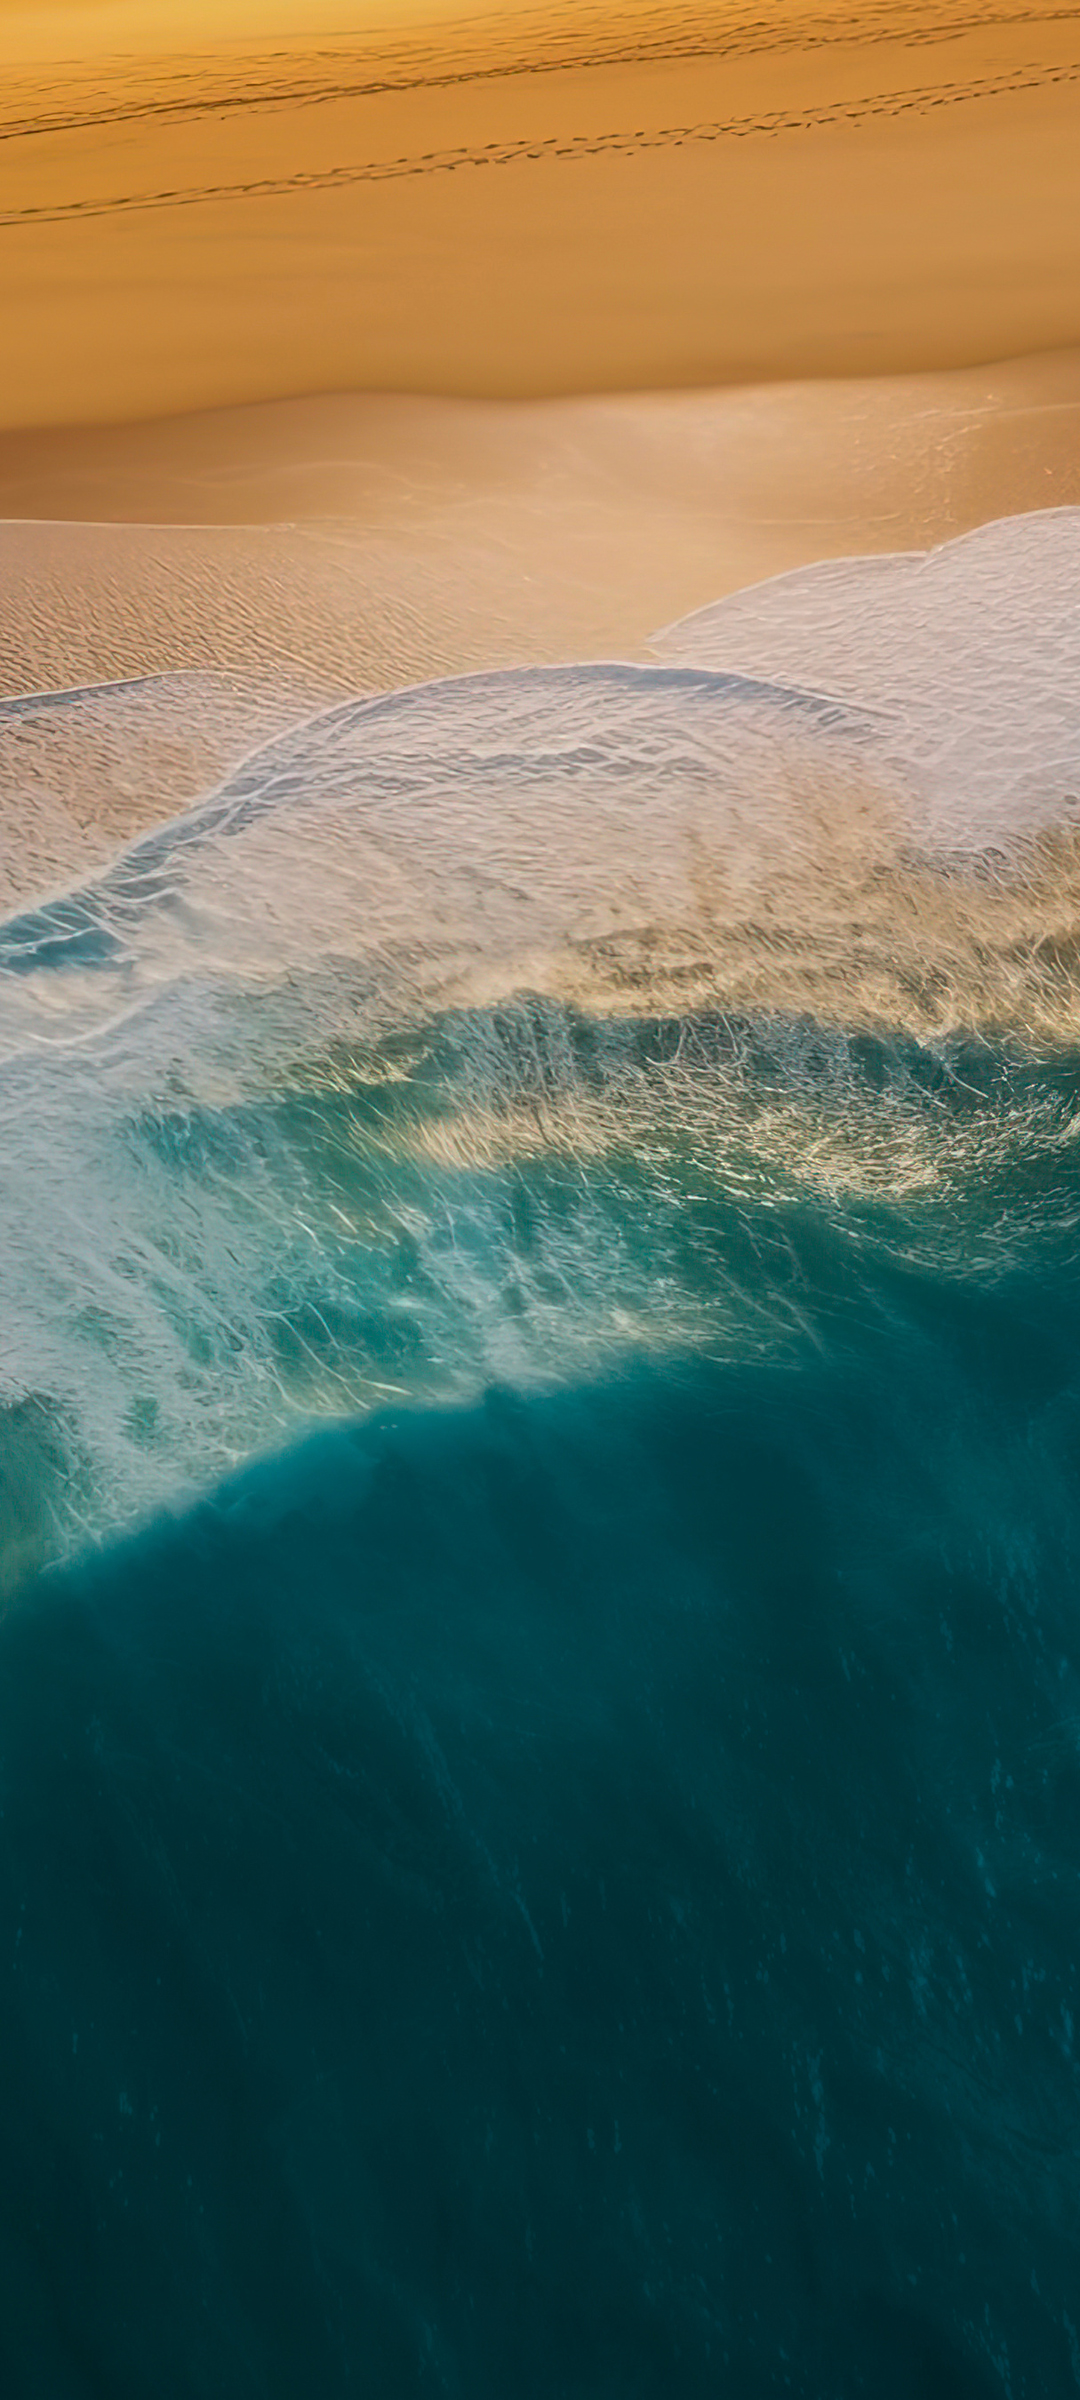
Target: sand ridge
{"type": "Point", "coordinates": [92, 91]}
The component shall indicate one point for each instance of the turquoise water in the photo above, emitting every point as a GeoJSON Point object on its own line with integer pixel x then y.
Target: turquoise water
{"type": "Point", "coordinates": [539, 1520]}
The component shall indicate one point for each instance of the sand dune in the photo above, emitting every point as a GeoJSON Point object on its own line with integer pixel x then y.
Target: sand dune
{"type": "Point", "coordinates": [528, 201]}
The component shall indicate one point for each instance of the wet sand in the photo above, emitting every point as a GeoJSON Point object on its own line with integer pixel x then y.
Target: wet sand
{"type": "Point", "coordinates": [264, 561]}
{"type": "Point", "coordinates": [528, 202]}
{"type": "Point", "coordinates": [363, 540]}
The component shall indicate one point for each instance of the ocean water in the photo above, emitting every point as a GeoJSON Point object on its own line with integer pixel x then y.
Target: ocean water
{"type": "Point", "coordinates": [540, 1532]}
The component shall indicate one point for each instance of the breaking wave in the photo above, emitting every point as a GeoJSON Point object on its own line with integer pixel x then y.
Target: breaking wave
{"type": "Point", "coordinates": [547, 1866]}
{"type": "Point", "coordinates": [477, 1032]}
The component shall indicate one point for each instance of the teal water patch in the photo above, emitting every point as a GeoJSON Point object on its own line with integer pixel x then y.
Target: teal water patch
{"type": "Point", "coordinates": [576, 1895]}
{"type": "Point", "coordinates": [38, 1485]}
{"type": "Point", "coordinates": [520, 1196]}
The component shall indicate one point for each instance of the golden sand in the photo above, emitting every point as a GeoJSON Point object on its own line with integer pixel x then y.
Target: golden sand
{"type": "Point", "coordinates": [208, 207]}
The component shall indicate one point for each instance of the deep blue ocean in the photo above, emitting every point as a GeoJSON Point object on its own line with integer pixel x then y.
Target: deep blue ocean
{"type": "Point", "coordinates": [540, 1542]}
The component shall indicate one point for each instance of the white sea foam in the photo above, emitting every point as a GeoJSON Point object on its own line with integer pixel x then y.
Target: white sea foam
{"type": "Point", "coordinates": [343, 1084]}
{"type": "Point", "coordinates": [485, 818]}
{"type": "Point", "coordinates": [77, 764]}
{"type": "Point", "coordinates": [970, 653]}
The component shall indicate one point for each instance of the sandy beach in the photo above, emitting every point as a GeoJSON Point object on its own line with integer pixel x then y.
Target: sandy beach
{"type": "Point", "coordinates": [426, 342]}
{"type": "Point", "coordinates": [528, 202]}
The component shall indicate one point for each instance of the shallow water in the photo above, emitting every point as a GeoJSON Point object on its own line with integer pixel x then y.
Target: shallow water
{"type": "Point", "coordinates": [541, 1698]}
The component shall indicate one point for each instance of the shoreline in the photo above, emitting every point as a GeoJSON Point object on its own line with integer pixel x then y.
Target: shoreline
{"type": "Point", "coordinates": [355, 544]}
